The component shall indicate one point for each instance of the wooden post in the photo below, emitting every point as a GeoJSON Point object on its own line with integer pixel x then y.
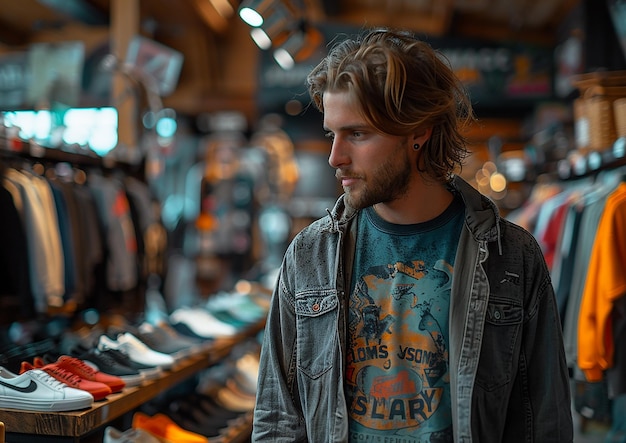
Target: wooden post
{"type": "Point", "coordinates": [124, 26]}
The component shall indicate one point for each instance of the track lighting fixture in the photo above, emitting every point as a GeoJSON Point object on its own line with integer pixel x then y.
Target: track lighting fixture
{"type": "Point", "coordinates": [276, 24]}
{"type": "Point", "coordinates": [298, 46]}
{"type": "Point", "coordinates": [275, 28]}
{"type": "Point", "coordinates": [254, 12]}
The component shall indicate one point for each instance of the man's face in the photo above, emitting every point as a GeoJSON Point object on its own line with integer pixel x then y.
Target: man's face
{"type": "Point", "coordinates": [373, 167]}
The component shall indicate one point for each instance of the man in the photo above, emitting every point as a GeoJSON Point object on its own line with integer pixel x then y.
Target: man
{"type": "Point", "coordinates": [412, 312]}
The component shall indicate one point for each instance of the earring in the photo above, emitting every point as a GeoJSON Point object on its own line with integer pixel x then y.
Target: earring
{"type": "Point", "coordinates": [416, 146]}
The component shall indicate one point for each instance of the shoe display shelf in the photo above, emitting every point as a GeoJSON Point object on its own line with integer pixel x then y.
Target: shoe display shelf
{"type": "Point", "coordinates": [87, 425]}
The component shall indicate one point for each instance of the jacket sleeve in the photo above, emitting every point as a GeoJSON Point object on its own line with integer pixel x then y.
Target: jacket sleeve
{"type": "Point", "coordinates": [277, 415]}
{"type": "Point", "coordinates": [542, 380]}
{"type": "Point", "coordinates": [548, 376]}
{"type": "Point", "coordinates": [523, 368]}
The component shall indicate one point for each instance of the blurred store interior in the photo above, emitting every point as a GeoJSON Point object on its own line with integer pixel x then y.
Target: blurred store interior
{"type": "Point", "coordinates": [193, 131]}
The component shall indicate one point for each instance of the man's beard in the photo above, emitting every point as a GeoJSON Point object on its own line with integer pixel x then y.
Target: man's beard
{"type": "Point", "coordinates": [384, 184]}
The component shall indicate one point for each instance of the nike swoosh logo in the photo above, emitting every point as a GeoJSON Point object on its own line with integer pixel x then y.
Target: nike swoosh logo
{"type": "Point", "coordinates": [27, 389]}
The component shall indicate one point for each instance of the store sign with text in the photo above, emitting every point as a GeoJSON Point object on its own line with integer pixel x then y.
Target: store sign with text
{"type": "Point", "coordinates": [500, 74]}
{"type": "Point", "coordinates": [495, 74]}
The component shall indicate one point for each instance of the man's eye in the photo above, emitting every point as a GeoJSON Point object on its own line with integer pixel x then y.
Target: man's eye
{"type": "Point", "coordinates": [357, 134]}
{"type": "Point", "coordinates": [330, 135]}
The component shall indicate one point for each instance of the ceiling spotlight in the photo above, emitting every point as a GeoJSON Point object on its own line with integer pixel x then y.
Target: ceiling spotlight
{"type": "Point", "coordinates": [261, 38]}
{"type": "Point", "coordinates": [253, 12]}
{"type": "Point", "coordinates": [299, 46]}
{"type": "Point", "coordinates": [274, 29]}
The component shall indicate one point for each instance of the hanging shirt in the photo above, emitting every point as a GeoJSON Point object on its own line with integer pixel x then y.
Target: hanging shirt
{"type": "Point", "coordinates": [605, 283]}
{"type": "Point", "coordinates": [397, 380]}
{"type": "Point", "coordinates": [45, 255]}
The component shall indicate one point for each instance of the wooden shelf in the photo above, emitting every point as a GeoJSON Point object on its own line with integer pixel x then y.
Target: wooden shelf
{"type": "Point", "coordinates": [72, 425]}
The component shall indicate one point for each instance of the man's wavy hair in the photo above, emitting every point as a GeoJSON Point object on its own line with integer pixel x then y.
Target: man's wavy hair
{"type": "Point", "coordinates": [402, 85]}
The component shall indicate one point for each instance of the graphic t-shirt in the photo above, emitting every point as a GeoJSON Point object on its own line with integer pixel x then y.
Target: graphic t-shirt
{"type": "Point", "coordinates": [397, 380]}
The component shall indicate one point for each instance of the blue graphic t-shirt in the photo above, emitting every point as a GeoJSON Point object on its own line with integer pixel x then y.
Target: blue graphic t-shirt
{"type": "Point", "coordinates": [397, 381]}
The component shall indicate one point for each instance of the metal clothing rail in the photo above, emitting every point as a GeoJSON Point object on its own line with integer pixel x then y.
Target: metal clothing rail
{"type": "Point", "coordinates": [593, 162]}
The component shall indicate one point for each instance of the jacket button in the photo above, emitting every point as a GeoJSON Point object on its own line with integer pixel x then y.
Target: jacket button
{"type": "Point", "coordinates": [316, 307]}
{"type": "Point", "coordinates": [497, 315]}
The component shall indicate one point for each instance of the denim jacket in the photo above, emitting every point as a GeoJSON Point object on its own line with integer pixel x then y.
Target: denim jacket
{"type": "Point", "coordinates": [508, 375]}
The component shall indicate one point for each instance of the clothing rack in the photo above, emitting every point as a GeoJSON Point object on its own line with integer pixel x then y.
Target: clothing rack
{"type": "Point", "coordinates": [593, 162]}
{"type": "Point", "coordinates": [73, 167]}
{"type": "Point", "coordinates": [15, 148]}
{"type": "Point", "coordinates": [565, 216]}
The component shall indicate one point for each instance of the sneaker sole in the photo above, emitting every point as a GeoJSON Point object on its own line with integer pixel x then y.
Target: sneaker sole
{"type": "Point", "coordinates": [132, 380]}
{"type": "Point", "coordinates": [35, 404]}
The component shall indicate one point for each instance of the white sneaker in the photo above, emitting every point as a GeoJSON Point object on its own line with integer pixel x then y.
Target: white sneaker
{"type": "Point", "coordinates": [137, 350]}
{"type": "Point", "coordinates": [35, 390]}
{"type": "Point", "coordinates": [202, 323]}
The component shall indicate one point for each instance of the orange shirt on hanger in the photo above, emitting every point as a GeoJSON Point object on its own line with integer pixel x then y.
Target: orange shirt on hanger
{"type": "Point", "coordinates": [606, 282]}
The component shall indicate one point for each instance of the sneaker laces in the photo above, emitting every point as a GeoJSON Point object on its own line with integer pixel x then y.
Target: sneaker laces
{"type": "Point", "coordinates": [121, 354]}
{"type": "Point", "coordinates": [105, 357]}
{"type": "Point", "coordinates": [48, 379]}
{"type": "Point", "coordinates": [80, 365]}
{"type": "Point", "coordinates": [68, 377]}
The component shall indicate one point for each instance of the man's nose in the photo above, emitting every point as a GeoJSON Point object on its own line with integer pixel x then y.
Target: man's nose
{"type": "Point", "coordinates": [338, 154]}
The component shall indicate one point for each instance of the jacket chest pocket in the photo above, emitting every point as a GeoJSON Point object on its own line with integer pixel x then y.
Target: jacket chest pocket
{"type": "Point", "coordinates": [499, 346]}
{"type": "Point", "coordinates": [317, 345]}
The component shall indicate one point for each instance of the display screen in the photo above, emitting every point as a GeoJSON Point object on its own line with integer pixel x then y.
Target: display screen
{"type": "Point", "coordinates": [90, 128]}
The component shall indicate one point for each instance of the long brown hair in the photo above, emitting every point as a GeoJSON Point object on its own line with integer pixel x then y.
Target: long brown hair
{"type": "Point", "coordinates": [403, 86]}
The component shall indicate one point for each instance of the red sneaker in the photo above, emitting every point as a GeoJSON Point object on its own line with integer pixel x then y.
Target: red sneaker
{"type": "Point", "coordinates": [84, 371]}
{"type": "Point", "coordinates": [96, 389]}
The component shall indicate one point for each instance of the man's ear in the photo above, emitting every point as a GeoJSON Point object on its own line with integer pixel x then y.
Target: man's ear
{"type": "Point", "coordinates": [423, 136]}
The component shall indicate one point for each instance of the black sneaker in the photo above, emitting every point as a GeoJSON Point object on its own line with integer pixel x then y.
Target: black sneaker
{"type": "Point", "coordinates": [197, 344]}
{"type": "Point", "coordinates": [148, 372]}
{"type": "Point", "coordinates": [210, 407]}
{"type": "Point", "coordinates": [12, 357]}
{"type": "Point", "coordinates": [104, 362]}
{"type": "Point", "coordinates": [190, 417]}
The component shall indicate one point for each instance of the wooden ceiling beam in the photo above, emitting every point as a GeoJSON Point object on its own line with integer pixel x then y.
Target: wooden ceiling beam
{"type": "Point", "coordinates": [476, 26]}
{"type": "Point", "coordinates": [11, 36]}
{"type": "Point", "coordinates": [428, 17]}
{"type": "Point", "coordinates": [210, 15]}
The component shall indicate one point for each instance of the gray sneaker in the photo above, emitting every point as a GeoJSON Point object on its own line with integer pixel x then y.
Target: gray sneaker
{"type": "Point", "coordinates": [114, 435]}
